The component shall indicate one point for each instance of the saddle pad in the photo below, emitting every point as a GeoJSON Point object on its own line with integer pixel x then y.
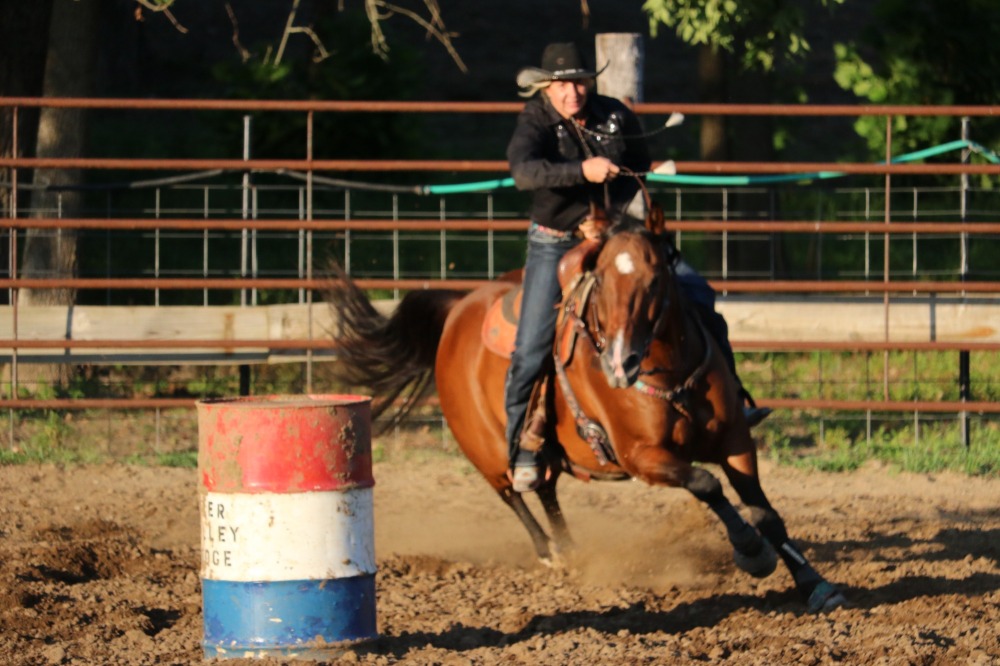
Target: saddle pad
{"type": "Point", "coordinates": [500, 323]}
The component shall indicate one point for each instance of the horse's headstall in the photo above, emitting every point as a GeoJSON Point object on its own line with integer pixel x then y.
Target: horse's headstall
{"type": "Point", "coordinates": [572, 316]}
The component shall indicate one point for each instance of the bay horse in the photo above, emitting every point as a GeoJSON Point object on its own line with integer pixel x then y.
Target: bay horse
{"type": "Point", "coordinates": [638, 390]}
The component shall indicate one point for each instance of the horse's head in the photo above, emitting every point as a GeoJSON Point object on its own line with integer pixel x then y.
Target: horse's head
{"type": "Point", "coordinates": [629, 296]}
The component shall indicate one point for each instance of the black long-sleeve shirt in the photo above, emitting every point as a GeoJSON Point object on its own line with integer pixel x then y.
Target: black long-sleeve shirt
{"type": "Point", "coordinates": [546, 155]}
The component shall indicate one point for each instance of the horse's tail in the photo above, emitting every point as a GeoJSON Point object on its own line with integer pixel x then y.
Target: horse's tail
{"type": "Point", "coordinates": [393, 357]}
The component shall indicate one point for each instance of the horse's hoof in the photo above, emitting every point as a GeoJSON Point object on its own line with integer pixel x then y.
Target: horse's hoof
{"type": "Point", "coordinates": [760, 565]}
{"type": "Point", "coordinates": [557, 559]}
{"type": "Point", "coordinates": [825, 597]}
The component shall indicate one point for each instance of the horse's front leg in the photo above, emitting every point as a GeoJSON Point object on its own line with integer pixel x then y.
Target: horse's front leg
{"type": "Point", "coordinates": [560, 532]}
{"type": "Point", "coordinates": [539, 539]}
{"type": "Point", "coordinates": [741, 469]}
{"type": "Point", "coordinates": [658, 466]}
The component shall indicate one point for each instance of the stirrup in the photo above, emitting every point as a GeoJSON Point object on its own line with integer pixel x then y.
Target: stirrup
{"type": "Point", "coordinates": [528, 471]}
{"type": "Point", "coordinates": [526, 478]}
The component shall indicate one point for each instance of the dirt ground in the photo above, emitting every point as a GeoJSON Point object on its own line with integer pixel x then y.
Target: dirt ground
{"type": "Point", "coordinates": [100, 565]}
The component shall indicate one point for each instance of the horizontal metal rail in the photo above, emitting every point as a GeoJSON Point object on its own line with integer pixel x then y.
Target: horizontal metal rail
{"type": "Point", "coordinates": [742, 286]}
{"type": "Point", "coordinates": [388, 106]}
{"type": "Point", "coordinates": [493, 166]}
{"type": "Point", "coordinates": [378, 224]}
{"type": "Point", "coordinates": [942, 406]}
{"type": "Point", "coordinates": [322, 344]}
{"type": "Point", "coordinates": [24, 343]}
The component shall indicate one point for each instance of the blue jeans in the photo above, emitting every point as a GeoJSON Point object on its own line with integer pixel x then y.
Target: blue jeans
{"type": "Point", "coordinates": [537, 327]}
{"type": "Point", "coordinates": [699, 292]}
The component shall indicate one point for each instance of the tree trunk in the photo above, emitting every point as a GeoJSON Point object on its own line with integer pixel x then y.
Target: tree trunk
{"type": "Point", "coordinates": [69, 72]}
{"type": "Point", "coordinates": [23, 35]}
{"type": "Point", "coordinates": [714, 147]}
{"type": "Point", "coordinates": [712, 90]}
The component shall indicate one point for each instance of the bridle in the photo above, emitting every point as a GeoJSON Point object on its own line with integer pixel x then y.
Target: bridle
{"type": "Point", "coordinates": [579, 313]}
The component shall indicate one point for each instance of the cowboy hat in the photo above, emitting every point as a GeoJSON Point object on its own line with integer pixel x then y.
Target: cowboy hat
{"type": "Point", "coordinates": [561, 61]}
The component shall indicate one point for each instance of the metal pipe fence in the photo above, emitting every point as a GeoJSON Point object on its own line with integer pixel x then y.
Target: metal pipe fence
{"type": "Point", "coordinates": [197, 238]}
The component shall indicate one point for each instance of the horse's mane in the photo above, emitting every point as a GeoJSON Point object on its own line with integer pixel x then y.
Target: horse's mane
{"type": "Point", "coordinates": [631, 225]}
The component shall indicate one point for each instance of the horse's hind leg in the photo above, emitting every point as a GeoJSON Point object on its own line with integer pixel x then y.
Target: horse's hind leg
{"type": "Point", "coordinates": [741, 469]}
{"type": "Point", "coordinates": [538, 536]}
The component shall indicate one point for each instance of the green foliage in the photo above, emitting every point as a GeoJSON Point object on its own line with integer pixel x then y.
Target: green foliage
{"type": "Point", "coordinates": [923, 52]}
{"type": "Point", "coordinates": [902, 81]}
{"type": "Point", "coordinates": [50, 440]}
{"type": "Point", "coordinates": [180, 459]}
{"type": "Point", "coordinates": [351, 72]}
{"type": "Point", "coordinates": [761, 32]}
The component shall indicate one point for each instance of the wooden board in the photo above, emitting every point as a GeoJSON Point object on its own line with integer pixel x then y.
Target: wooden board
{"type": "Point", "coordinates": [791, 319]}
{"type": "Point", "coordinates": [863, 319]}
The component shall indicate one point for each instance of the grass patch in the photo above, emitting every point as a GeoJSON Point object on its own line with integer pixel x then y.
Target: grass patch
{"type": "Point", "coordinates": [180, 459]}
{"type": "Point", "coordinates": [929, 446]}
{"type": "Point", "coordinates": [838, 442]}
{"type": "Point", "coordinates": [909, 375]}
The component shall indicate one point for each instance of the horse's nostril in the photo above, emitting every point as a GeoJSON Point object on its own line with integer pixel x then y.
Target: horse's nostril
{"type": "Point", "coordinates": [631, 364]}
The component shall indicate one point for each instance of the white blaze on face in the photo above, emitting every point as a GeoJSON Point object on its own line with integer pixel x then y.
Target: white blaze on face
{"type": "Point", "coordinates": [617, 347]}
{"type": "Point", "coordinates": [623, 262]}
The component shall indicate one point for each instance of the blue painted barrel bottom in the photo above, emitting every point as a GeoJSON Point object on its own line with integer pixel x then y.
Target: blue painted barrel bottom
{"type": "Point", "coordinates": [300, 618]}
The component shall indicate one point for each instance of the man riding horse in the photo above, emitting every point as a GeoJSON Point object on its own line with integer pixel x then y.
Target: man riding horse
{"type": "Point", "coordinates": [573, 149]}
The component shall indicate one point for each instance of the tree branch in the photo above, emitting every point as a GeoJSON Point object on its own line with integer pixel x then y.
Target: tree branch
{"type": "Point", "coordinates": [163, 7]}
{"type": "Point", "coordinates": [244, 53]}
{"type": "Point", "coordinates": [435, 26]}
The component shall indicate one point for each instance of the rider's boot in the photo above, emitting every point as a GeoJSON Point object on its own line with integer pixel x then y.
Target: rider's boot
{"type": "Point", "coordinates": [751, 411]}
{"type": "Point", "coordinates": [528, 469]}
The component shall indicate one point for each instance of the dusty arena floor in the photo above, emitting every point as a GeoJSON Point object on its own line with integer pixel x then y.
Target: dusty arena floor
{"type": "Point", "coordinates": [99, 565]}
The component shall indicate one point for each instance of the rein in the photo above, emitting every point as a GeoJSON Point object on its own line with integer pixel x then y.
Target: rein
{"type": "Point", "coordinates": [573, 310]}
{"type": "Point", "coordinates": [588, 429]}
{"type": "Point", "coordinates": [678, 395]}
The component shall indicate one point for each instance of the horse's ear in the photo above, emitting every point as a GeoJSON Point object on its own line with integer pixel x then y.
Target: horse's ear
{"type": "Point", "coordinates": [654, 219]}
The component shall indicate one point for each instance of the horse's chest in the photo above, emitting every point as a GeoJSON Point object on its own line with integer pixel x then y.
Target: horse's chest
{"type": "Point", "coordinates": [683, 431]}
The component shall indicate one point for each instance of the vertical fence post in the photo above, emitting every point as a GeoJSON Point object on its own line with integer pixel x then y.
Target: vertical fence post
{"type": "Point", "coordinates": [885, 256]}
{"type": "Point", "coordinates": [204, 243]}
{"type": "Point", "coordinates": [725, 237]}
{"type": "Point", "coordinates": [395, 245]}
{"type": "Point", "coordinates": [964, 379]}
{"type": "Point", "coordinates": [244, 368]}
{"type": "Point", "coordinates": [490, 255]}
{"type": "Point", "coordinates": [300, 264]}
{"type": "Point", "coordinates": [443, 241]}
{"type": "Point", "coordinates": [347, 232]}
{"type": "Point", "coordinates": [254, 260]}
{"type": "Point", "coordinates": [156, 245]}
{"type": "Point", "coordinates": [310, 136]}
{"type": "Point", "coordinates": [13, 272]}
{"type": "Point", "coordinates": [868, 236]}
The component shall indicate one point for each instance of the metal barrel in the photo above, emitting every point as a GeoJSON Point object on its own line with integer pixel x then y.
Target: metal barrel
{"type": "Point", "coordinates": [287, 529]}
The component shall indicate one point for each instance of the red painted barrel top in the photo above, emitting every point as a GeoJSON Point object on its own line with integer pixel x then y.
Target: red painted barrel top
{"type": "Point", "coordinates": [285, 444]}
